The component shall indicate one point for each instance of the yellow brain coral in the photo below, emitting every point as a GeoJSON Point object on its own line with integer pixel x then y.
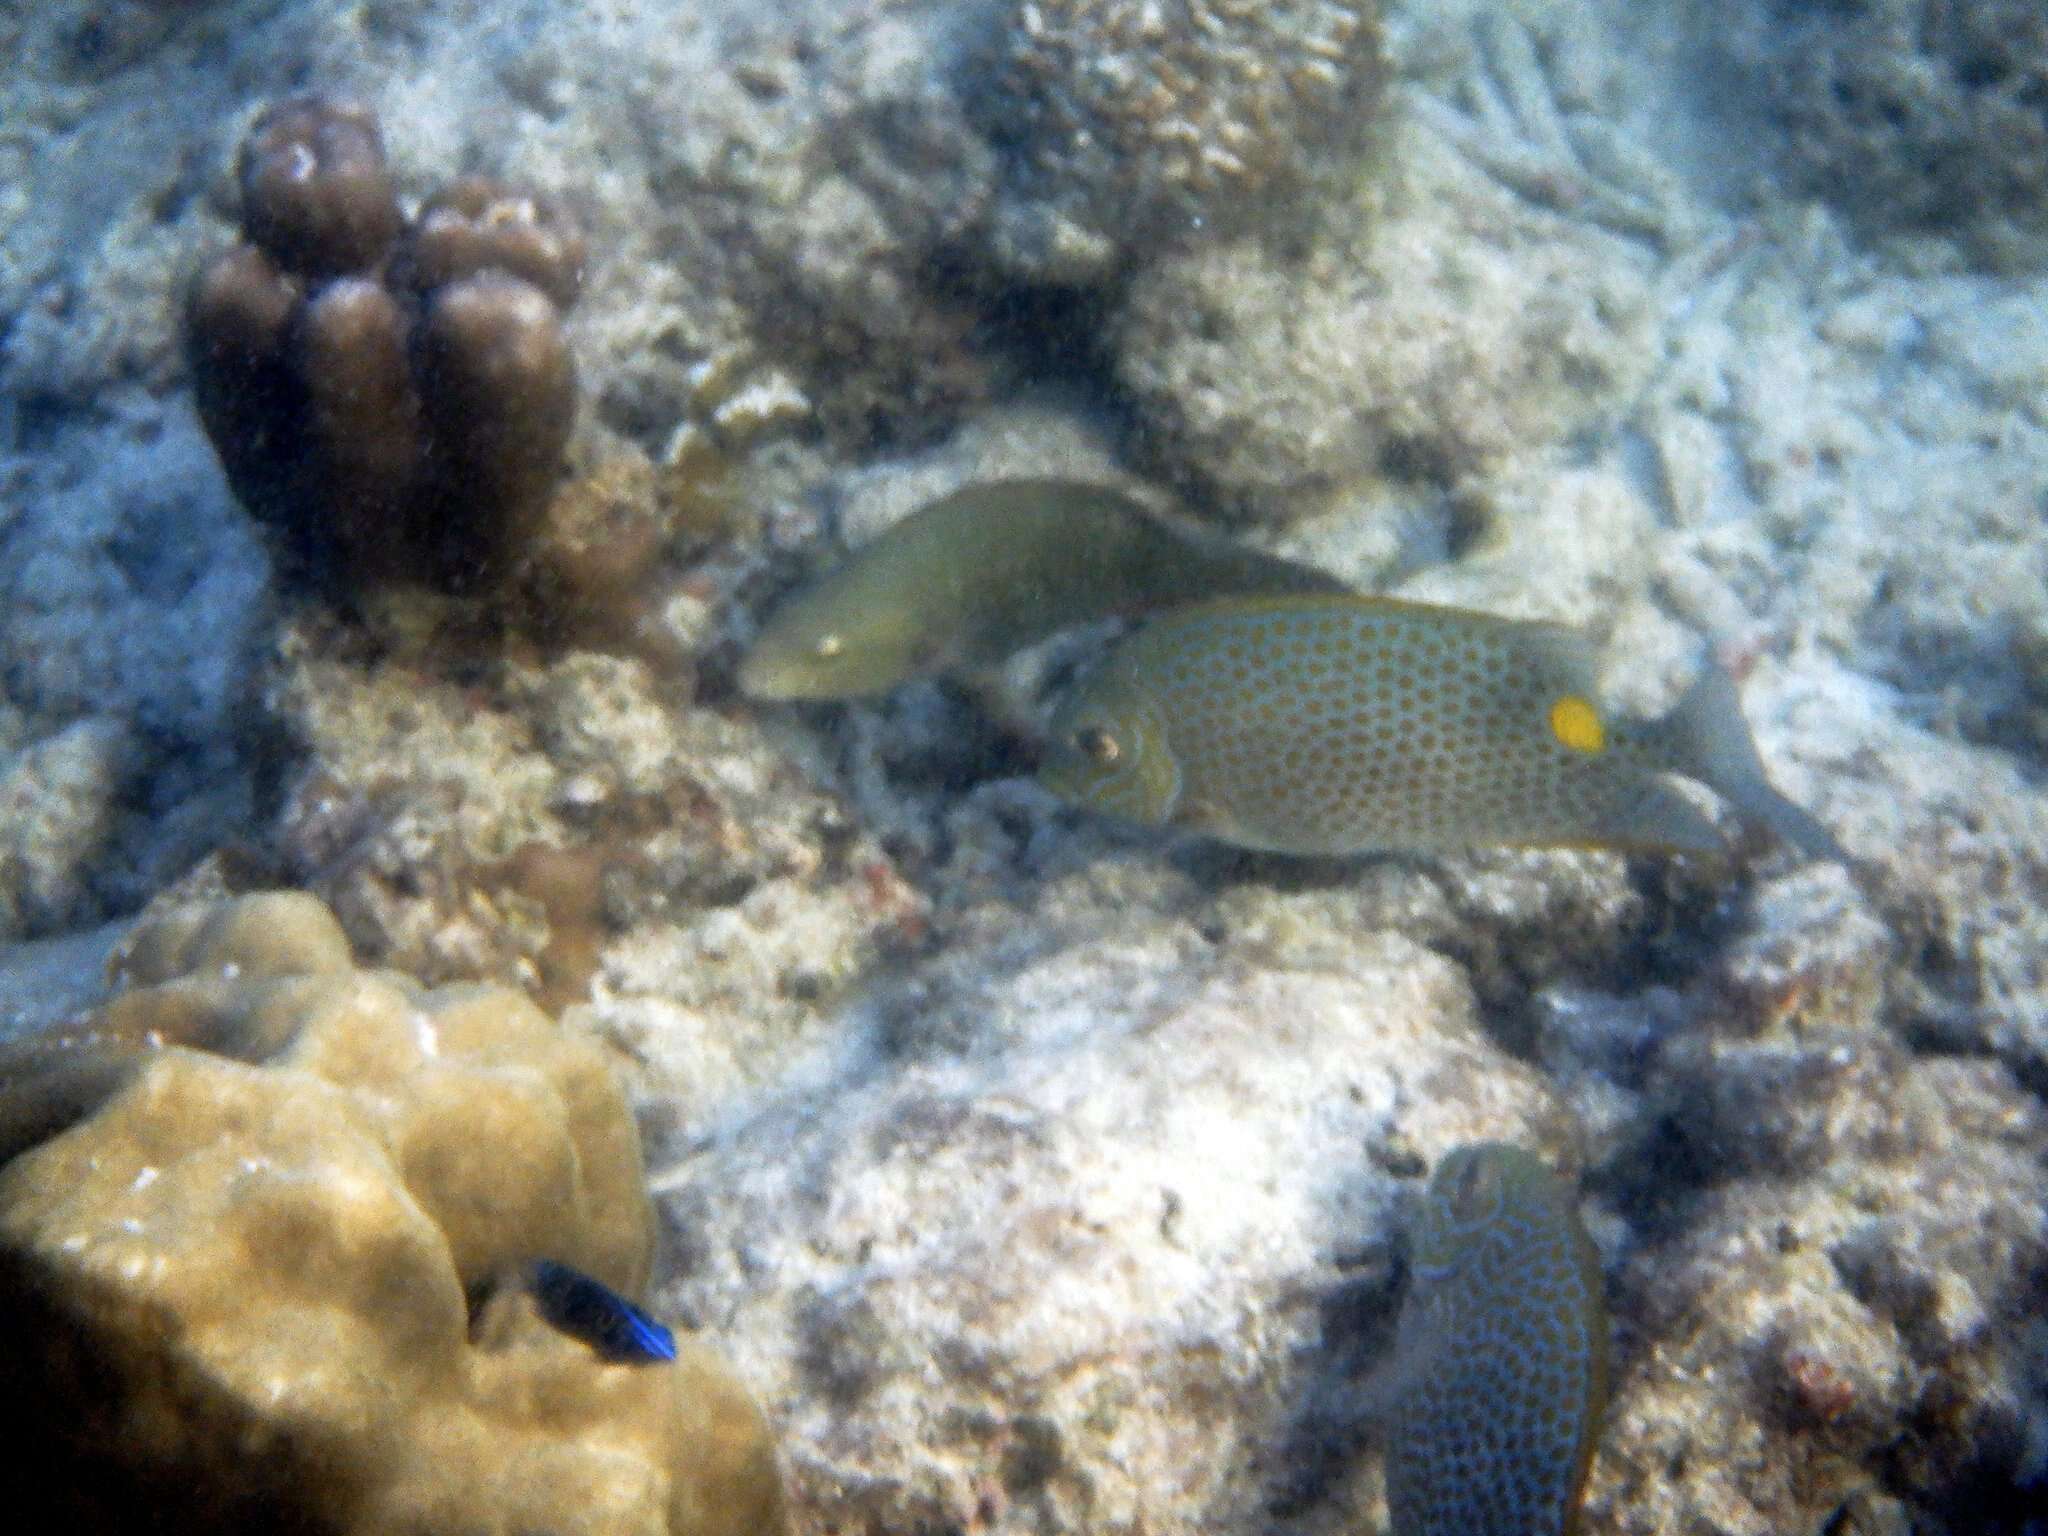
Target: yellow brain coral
{"type": "Point", "coordinates": [241, 1290]}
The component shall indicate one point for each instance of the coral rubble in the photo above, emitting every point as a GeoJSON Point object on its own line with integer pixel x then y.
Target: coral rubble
{"type": "Point", "coordinates": [1119, 128]}
{"type": "Point", "coordinates": [131, 607]}
{"type": "Point", "coordinates": [1058, 1248]}
{"type": "Point", "coordinates": [543, 822]}
{"type": "Point", "coordinates": [60, 797]}
{"type": "Point", "coordinates": [248, 1283]}
{"type": "Point", "coordinates": [1855, 1298]}
{"type": "Point", "coordinates": [1924, 117]}
{"type": "Point", "coordinates": [393, 400]}
{"type": "Point", "coordinates": [1488, 294]}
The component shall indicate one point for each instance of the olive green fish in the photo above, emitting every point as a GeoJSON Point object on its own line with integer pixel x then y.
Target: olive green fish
{"type": "Point", "coordinates": [1338, 724]}
{"type": "Point", "coordinates": [970, 578]}
{"type": "Point", "coordinates": [1500, 1376]}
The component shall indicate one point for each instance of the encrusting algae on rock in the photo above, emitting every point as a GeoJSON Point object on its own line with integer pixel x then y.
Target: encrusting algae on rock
{"type": "Point", "coordinates": [1500, 1375]}
{"type": "Point", "coordinates": [975, 575]}
{"type": "Point", "coordinates": [239, 1296]}
{"type": "Point", "coordinates": [1342, 724]}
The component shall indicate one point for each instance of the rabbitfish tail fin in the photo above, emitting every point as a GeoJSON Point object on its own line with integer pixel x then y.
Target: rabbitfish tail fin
{"type": "Point", "coordinates": [1660, 819]}
{"type": "Point", "coordinates": [1707, 737]}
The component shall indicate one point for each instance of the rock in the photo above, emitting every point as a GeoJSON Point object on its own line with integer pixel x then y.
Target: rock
{"type": "Point", "coordinates": [1422, 340]}
{"type": "Point", "coordinates": [130, 610]}
{"type": "Point", "coordinates": [1800, 1321]}
{"type": "Point", "coordinates": [1060, 1242]}
{"type": "Point", "coordinates": [59, 808]}
{"type": "Point", "coordinates": [1123, 127]}
{"type": "Point", "coordinates": [1920, 118]}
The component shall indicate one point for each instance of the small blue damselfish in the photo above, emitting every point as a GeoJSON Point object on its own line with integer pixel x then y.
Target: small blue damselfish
{"type": "Point", "coordinates": [588, 1309]}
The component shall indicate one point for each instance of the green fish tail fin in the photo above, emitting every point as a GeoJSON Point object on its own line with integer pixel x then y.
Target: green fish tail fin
{"type": "Point", "coordinates": [1707, 737]}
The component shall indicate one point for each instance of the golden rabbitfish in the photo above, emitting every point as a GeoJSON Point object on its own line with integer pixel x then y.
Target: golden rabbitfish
{"type": "Point", "coordinates": [1338, 724]}
{"type": "Point", "coordinates": [1500, 1377]}
{"type": "Point", "coordinates": [987, 570]}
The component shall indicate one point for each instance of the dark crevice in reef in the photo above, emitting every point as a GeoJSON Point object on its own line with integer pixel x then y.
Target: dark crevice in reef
{"type": "Point", "coordinates": [37, 420]}
{"type": "Point", "coordinates": [1052, 335]}
{"type": "Point", "coordinates": [1048, 336]}
{"type": "Point", "coordinates": [1682, 924]}
{"type": "Point", "coordinates": [66, 1462]}
{"type": "Point", "coordinates": [1337, 1417]}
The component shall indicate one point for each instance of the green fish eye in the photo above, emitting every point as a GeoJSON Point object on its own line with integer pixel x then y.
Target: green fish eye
{"type": "Point", "coordinates": [1097, 745]}
{"type": "Point", "coordinates": [829, 646]}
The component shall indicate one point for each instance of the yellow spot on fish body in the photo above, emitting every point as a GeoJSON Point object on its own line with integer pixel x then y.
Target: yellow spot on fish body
{"type": "Point", "coordinates": [1339, 724]}
{"type": "Point", "coordinates": [1575, 722]}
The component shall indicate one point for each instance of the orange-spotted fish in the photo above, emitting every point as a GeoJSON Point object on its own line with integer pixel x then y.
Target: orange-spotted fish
{"type": "Point", "coordinates": [1500, 1375]}
{"type": "Point", "coordinates": [965, 580]}
{"type": "Point", "coordinates": [1339, 724]}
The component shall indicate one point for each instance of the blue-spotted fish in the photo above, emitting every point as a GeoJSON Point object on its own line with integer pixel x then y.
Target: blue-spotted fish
{"type": "Point", "coordinates": [974, 576]}
{"type": "Point", "coordinates": [1340, 724]}
{"type": "Point", "coordinates": [1500, 1377]}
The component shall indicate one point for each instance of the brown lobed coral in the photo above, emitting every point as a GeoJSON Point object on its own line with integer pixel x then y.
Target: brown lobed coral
{"type": "Point", "coordinates": [239, 1294]}
{"type": "Point", "coordinates": [392, 398]}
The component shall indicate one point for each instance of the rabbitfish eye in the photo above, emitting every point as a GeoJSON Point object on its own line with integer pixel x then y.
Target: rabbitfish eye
{"type": "Point", "coordinates": [1474, 1188]}
{"type": "Point", "coordinates": [830, 646]}
{"type": "Point", "coordinates": [1098, 744]}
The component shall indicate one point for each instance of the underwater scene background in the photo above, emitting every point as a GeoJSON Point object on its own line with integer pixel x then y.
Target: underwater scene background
{"type": "Point", "coordinates": [677, 854]}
